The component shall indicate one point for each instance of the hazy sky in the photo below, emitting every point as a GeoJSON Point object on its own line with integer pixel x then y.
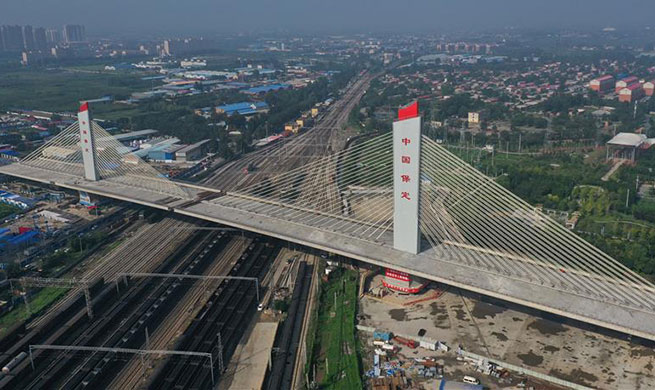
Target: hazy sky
{"type": "Point", "coordinates": [191, 16]}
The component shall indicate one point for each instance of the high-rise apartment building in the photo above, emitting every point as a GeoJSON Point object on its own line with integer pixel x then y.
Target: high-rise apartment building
{"type": "Point", "coordinates": [53, 35]}
{"type": "Point", "coordinates": [12, 37]}
{"type": "Point", "coordinates": [40, 40]}
{"type": "Point", "coordinates": [28, 38]}
{"type": "Point", "coordinates": [74, 33]}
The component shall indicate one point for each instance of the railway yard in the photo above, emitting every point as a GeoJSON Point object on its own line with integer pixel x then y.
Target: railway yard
{"type": "Point", "coordinates": [178, 303]}
{"type": "Point", "coordinates": [125, 307]}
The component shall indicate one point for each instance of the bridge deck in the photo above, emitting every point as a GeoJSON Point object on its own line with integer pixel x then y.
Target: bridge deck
{"type": "Point", "coordinates": [439, 264]}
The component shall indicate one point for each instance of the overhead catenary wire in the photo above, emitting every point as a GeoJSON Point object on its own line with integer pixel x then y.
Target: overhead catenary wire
{"type": "Point", "coordinates": [114, 163]}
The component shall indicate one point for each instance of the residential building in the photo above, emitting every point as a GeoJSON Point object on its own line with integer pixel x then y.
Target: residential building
{"type": "Point", "coordinates": [649, 87]}
{"type": "Point", "coordinates": [602, 84]}
{"type": "Point", "coordinates": [74, 33]}
{"type": "Point", "coordinates": [631, 93]}
{"type": "Point", "coordinates": [53, 36]}
{"type": "Point", "coordinates": [475, 117]}
{"type": "Point", "coordinates": [12, 37]}
{"type": "Point", "coordinates": [28, 38]}
{"type": "Point", "coordinates": [625, 82]}
{"type": "Point", "coordinates": [40, 39]}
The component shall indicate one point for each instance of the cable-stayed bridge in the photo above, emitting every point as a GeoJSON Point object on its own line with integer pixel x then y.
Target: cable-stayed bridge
{"type": "Point", "coordinates": [458, 226]}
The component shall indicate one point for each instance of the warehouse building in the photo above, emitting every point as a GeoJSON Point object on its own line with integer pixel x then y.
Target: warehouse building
{"type": "Point", "coordinates": [163, 153]}
{"type": "Point", "coordinates": [243, 108]}
{"type": "Point", "coordinates": [192, 152]}
{"type": "Point", "coordinates": [602, 84]}
{"type": "Point", "coordinates": [16, 200]}
{"type": "Point", "coordinates": [266, 89]}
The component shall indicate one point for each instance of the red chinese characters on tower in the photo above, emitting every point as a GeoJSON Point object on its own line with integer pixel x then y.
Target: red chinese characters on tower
{"type": "Point", "coordinates": [404, 177]}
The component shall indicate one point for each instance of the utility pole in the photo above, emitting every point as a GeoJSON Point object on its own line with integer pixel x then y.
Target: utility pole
{"type": "Point", "coordinates": [520, 143]}
{"type": "Point", "coordinates": [634, 114]}
{"type": "Point", "coordinates": [627, 198]}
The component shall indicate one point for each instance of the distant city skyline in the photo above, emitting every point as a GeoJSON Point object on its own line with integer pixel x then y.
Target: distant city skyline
{"type": "Point", "coordinates": [206, 16]}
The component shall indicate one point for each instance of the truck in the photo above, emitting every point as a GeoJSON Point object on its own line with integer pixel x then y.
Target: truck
{"type": "Point", "coordinates": [410, 343]}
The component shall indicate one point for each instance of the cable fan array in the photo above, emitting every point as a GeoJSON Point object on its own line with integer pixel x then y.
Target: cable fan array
{"type": "Point", "coordinates": [469, 218]}
{"type": "Point", "coordinates": [114, 162]}
{"type": "Point", "coordinates": [466, 218]}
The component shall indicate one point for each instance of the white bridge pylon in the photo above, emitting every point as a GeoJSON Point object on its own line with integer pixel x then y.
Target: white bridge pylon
{"type": "Point", "coordinates": [87, 151]}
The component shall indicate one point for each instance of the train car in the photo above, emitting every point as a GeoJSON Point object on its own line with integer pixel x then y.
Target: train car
{"type": "Point", "coordinates": [13, 363]}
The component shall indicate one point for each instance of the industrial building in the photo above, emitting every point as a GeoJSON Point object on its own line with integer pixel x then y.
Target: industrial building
{"type": "Point", "coordinates": [631, 93]}
{"type": "Point", "coordinates": [16, 200]}
{"type": "Point", "coordinates": [243, 108]}
{"type": "Point", "coordinates": [192, 152]}
{"type": "Point", "coordinates": [602, 84]}
{"type": "Point", "coordinates": [164, 152]}
{"type": "Point", "coordinates": [266, 89]}
{"type": "Point", "coordinates": [24, 238]}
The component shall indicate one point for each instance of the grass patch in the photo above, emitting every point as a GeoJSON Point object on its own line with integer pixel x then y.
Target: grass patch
{"type": "Point", "coordinates": [6, 210]}
{"type": "Point", "coordinates": [334, 353]}
{"type": "Point", "coordinates": [60, 90]}
{"type": "Point", "coordinates": [38, 303]}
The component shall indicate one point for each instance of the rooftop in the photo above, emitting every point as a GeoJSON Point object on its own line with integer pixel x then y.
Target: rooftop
{"type": "Point", "coordinates": [627, 139]}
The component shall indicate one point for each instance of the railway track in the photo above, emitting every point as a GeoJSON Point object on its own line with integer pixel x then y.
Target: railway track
{"type": "Point", "coordinates": [180, 317]}
{"type": "Point", "coordinates": [324, 138]}
{"type": "Point", "coordinates": [137, 307]}
{"type": "Point", "coordinates": [142, 252]}
{"type": "Point", "coordinates": [229, 308]}
{"type": "Point", "coordinates": [288, 340]}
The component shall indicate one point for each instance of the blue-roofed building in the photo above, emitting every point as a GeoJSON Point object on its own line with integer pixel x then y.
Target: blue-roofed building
{"type": "Point", "coordinates": [164, 152]}
{"type": "Point", "coordinates": [16, 200]}
{"type": "Point", "coordinates": [266, 89]}
{"type": "Point", "coordinates": [19, 241]}
{"type": "Point", "coordinates": [243, 108]}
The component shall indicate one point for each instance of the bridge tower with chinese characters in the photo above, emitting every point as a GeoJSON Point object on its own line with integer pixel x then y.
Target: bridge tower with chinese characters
{"type": "Point", "coordinates": [87, 143]}
{"type": "Point", "coordinates": [406, 179]}
{"type": "Point", "coordinates": [406, 189]}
